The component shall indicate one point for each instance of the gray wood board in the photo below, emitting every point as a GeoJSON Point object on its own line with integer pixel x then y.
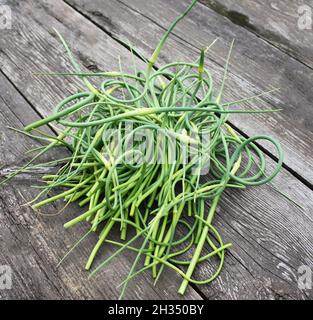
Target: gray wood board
{"type": "Point", "coordinates": [256, 66]}
{"type": "Point", "coordinates": [32, 244]}
{"type": "Point", "coordinates": [271, 236]}
{"type": "Point", "coordinates": [286, 24]}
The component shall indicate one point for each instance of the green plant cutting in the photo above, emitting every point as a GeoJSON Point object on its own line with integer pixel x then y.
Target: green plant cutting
{"type": "Point", "coordinates": [157, 206]}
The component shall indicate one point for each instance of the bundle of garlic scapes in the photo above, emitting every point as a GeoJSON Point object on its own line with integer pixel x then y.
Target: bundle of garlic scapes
{"type": "Point", "coordinates": [140, 148]}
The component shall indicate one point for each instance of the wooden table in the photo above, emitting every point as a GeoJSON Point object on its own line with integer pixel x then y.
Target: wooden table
{"type": "Point", "coordinates": [272, 236]}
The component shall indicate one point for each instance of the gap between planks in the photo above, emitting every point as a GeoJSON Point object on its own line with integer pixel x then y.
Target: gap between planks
{"type": "Point", "coordinates": [241, 18]}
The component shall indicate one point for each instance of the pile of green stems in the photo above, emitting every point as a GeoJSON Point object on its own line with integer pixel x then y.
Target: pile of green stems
{"type": "Point", "coordinates": [152, 202]}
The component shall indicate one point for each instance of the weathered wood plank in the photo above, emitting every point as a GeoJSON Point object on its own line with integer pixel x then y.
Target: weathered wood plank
{"type": "Point", "coordinates": [260, 223]}
{"type": "Point", "coordinates": [287, 24]}
{"type": "Point", "coordinates": [271, 241]}
{"type": "Point", "coordinates": [256, 66]}
{"type": "Point", "coordinates": [32, 244]}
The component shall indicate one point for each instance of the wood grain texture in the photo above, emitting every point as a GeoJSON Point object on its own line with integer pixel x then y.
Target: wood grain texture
{"type": "Point", "coordinates": [256, 66]}
{"type": "Point", "coordinates": [280, 22]}
{"type": "Point", "coordinates": [272, 237]}
{"type": "Point", "coordinates": [32, 244]}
